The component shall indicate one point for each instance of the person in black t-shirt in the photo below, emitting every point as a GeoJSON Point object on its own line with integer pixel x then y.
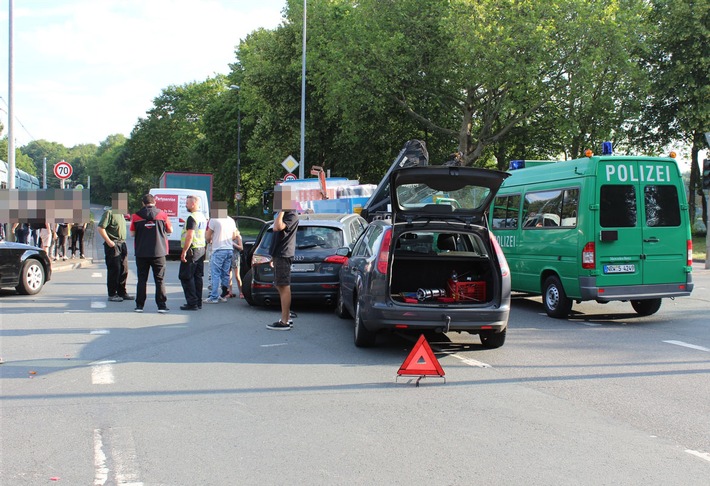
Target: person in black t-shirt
{"type": "Point", "coordinates": [283, 249]}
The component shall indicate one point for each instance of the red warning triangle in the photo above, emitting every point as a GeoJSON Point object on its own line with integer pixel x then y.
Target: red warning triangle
{"type": "Point", "coordinates": [421, 361]}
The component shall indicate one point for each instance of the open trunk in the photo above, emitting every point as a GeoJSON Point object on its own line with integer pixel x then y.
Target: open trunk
{"type": "Point", "coordinates": [424, 275]}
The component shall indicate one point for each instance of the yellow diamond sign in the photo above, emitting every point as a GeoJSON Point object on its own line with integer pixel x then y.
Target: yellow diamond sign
{"type": "Point", "coordinates": [289, 164]}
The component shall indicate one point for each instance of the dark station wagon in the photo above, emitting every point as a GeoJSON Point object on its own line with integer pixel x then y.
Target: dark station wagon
{"type": "Point", "coordinates": [430, 264]}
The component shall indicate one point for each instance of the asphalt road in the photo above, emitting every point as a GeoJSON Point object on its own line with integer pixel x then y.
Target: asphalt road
{"type": "Point", "coordinates": [93, 393]}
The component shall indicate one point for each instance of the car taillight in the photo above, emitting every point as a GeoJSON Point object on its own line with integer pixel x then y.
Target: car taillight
{"type": "Point", "coordinates": [336, 259]}
{"type": "Point", "coordinates": [259, 259]}
{"type": "Point", "coordinates": [504, 269]}
{"type": "Point", "coordinates": [690, 253]}
{"type": "Point", "coordinates": [589, 256]}
{"type": "Point", "coordinates": [384, 256]}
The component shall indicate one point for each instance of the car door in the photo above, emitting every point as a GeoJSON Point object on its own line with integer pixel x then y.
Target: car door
{"type": "Point", "coordinates": [359, 263]}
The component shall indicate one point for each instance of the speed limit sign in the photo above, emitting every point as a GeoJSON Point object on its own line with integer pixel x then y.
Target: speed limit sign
{"type": "Point", "coordinates": [63, 170]}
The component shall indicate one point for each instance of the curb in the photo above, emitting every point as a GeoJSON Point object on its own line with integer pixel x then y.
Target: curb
{"type": "Point", "coordinates": [64, 266]}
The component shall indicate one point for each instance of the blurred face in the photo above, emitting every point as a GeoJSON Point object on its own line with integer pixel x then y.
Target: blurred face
{"type": "Point", "coordinates": [218, 210]}
{"type": "Point", "coordinates": [119, 202]}
{"type": "Point", "coordinates": [284, 198]}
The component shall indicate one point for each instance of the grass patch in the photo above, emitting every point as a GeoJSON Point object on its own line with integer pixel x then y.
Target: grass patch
{"type": "Point", "coordinates": [699, 247]}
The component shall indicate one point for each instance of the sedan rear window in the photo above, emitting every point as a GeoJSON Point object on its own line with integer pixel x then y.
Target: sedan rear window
{"type": "Point", "coordinates": [321, 237]}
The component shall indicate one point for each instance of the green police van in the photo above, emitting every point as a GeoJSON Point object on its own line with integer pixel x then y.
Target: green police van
{"type": "Point", "coordinates": [598, 228]}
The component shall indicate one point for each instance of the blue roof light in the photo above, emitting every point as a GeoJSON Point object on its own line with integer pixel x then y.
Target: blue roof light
{"type": "Point", "coordinates": [606, 148]}
{"type": "Point", "coordinates": [516, 164]}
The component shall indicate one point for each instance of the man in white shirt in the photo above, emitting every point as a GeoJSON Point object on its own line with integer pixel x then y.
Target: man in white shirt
{"type": "Point", "coordinates": [221, 231]}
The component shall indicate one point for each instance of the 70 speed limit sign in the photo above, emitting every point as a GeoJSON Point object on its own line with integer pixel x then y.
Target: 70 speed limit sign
{"type": "Point", "coordinates": [63, 170]}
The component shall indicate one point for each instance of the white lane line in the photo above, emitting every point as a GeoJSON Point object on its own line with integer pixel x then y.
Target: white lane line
{"type": "Point", "coordinates": [469, 361]}
{"type": "Point", "coordinates": [701, 455]}
{"type": "Point", "coordinates": [124, 457]}
{"type": "Point", "coordinates": [100, 467]}
{"type": "Point", "coordinates": [95, 304]}
{"type": "Point", "coordinates": [102, 373]}
{"type": "Point", "coordinates": [272, 345]}
{"type": "Point", "coordinates": [97, 275]}
{"type": "Point", "coordinates": [687, 345]}
{"type": "Point", "coordinates": [100, 331]}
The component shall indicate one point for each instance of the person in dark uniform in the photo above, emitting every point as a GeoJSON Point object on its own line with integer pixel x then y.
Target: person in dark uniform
{"type": "Point", "coordinates": [150, 227]}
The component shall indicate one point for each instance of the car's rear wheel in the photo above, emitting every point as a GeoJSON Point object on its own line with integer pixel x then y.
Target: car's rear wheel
{"type": "Point", "coordinates": [492, 340]}
{"type": "Point", "coordinates": [340, 309]}
{"type": "Point", "coordinates": [364, 338]}
{"type": "Point", "coordinates": [556, 302]}
{"type": "Point", "coordinates": [246, 287]}
{"type": "Point", "coordinates": [646, 307]}
{"type": "Point", "coordinates": [31, 277]}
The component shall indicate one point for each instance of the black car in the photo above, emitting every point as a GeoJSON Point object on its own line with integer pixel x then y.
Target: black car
{"type": "Point", "coordinates": [25, 267]}
{"type": "Point", "coordinates": [316, 267]}
{"type": "Point", "coordinates": [431, 264]}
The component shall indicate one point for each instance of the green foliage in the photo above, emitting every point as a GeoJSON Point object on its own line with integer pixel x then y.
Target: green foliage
{"type": "Point", "coordinates": [169, 138]}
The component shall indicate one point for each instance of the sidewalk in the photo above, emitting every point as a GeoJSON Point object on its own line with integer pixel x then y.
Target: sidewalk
{"type": "Point", "coordinates": [64, 265]}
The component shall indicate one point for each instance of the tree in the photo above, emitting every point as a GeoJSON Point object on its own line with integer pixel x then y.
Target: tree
{"type": "Point", "coordinates": [678, 105]}
{"type": "Point", "coordinates": [169, 137]}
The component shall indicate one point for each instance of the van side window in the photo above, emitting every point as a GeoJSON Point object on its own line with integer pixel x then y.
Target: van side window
{"type": "Point", "coordinates": [505, 211]}
{"type": "Point", "coordinates": [661, 205]}
{"type": "Point", "coordinates": [551, 209]}
{"type": "Point", "coordinates": [617, 206]}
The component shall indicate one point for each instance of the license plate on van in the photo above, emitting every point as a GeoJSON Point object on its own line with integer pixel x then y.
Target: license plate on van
{"type": "Point", "coordinates": [303, 267]}
{"type": "Point", "coordinates": [630, 268]}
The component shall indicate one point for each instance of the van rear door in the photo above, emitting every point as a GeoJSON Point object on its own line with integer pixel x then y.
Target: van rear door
{"type": "Point", "coordinates": [664, 223]}
{"type": "Point", "coordinates": [641, 238]}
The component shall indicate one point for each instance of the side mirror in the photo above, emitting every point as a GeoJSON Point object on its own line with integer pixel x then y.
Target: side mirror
{"type": "Point", "coordinates": [344, 251]}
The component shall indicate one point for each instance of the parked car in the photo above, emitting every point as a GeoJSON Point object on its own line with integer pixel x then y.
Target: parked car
{"type": "Point", "coordinates": [316, 268]}
{"type": "Point", "coordinates": [431, 264]}
{"type": "Point", "coordinates": [250, 228]}
{"type": "Point", "coordinates": [25, 267]}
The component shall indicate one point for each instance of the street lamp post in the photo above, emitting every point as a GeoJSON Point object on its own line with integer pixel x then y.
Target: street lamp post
{"type": "Point", "coordinates": [239, 145]}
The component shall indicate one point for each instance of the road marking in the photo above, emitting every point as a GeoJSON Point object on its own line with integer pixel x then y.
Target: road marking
{"type": "Point", "coordinates": [100, 467]}
{"type": "Point", "coordinates": [97, 275]}
{"type": "Point", "coordinates": [687, 345]}
{"type": "Point", "coordinates": [701, 455]}
{"type": "Point", "coordinates": [96, 304]}
{"type": "Point", "coordinates": [100, 331]}
{"type": "Point", "coordinates": [102, 373]}
{"type": "Point", "coordinates": [469, 361]}
{"type": "Point", "coordinates": [122, 455]}
{"type": "Point", "coordinates": [272, 345]}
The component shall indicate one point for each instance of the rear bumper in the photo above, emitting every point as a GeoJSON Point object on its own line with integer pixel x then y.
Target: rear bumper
{"type": "Point", "coordinates": [590, 291]}
{"type": "Point", "coordinates": [264, 293]}
{"type": "Point", "coordinates": [381, 316]}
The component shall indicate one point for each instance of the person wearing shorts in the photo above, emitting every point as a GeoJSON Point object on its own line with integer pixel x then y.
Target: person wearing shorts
{"type": "Point", "coordinates": [283, 249]}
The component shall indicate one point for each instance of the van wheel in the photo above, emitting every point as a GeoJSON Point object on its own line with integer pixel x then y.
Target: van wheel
{"type": "Point", "coordinates": [246, 287]}
{"type": "Point", "coordinates": [31, 277]}
{"type": "Point", "coordinates": [364, 338]}
{"type": "Point", "coordinates": [492, 340]}
{"type": "Point", "coordinates": [340, 309]}
{"type": "Point", "coordinates": [646, 307]}
{"type": "Point", "coordinates": [554, 299]}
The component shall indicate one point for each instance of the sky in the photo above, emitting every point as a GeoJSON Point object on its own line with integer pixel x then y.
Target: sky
{"type": "Point", "coordinates": [87, 69]}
